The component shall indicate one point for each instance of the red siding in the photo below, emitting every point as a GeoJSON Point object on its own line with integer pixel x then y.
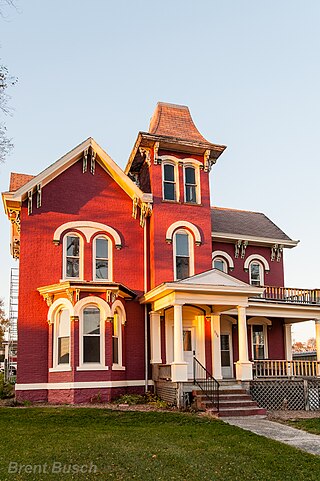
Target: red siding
{"type": "Point", "coordinates": [274, 277]}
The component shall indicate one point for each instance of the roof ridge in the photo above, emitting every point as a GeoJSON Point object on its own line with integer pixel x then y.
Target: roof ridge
{"type": "Point", "coordinates": [236, 210]}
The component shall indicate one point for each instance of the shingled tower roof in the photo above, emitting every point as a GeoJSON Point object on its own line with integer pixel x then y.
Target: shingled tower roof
{"type": "Point", "coordinates": [174, 121]}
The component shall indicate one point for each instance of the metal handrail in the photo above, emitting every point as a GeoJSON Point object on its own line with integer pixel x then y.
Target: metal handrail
{"type": "Point", "coordinates": [206, 382]}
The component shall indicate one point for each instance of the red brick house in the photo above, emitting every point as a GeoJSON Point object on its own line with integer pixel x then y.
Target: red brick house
{"type": "Point", "coordinates": [127, 276]}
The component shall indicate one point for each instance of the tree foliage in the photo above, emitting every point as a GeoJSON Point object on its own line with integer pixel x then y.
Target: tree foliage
{"type": "Point", "coordinates": [4, 322]}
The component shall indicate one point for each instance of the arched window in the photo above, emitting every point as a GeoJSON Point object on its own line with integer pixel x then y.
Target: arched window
{"type": "Point", "coordinates": [61, 342]}
{"type": "Point", "coordinates": [220, 264]}
{"type": "Point", "coordinates": [169, 181]}
{"type": "Point", "coordinates": [256, 273]}
{"type": "Point", "coordinates": [183, 254]}
{"type": "Point", "coordinates": [91, 335]}
{"type": "Point", "coordinates": [101, 258]}
{"type": "Point", "coordinates": [190, 185]}
{"type": "Point", "coordinates": [72, 256]}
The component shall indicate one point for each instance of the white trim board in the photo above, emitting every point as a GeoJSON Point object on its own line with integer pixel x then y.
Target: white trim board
{"type": "Point", "coordinates": [80, 385]}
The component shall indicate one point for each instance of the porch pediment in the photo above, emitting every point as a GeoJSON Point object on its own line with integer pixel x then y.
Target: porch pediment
{"type": "Point", "coordinates": [214, 277]}
{"type": "Point", "coordinates": [211, 287]}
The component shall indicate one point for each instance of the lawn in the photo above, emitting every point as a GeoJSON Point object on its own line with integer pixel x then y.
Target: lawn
{"type": "Point", "coordinates": [142, 446]}
{"type": "Point", "coordinates": [310, 425]}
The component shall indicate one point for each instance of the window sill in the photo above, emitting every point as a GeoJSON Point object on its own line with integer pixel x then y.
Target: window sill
{"type": "Point", "coordinates": [60, 369]}
{"type": "Point", "coordinates": [168, 201]}
{"type": "Point", "coordinates": [92, 367]}
{"type": "Point", "coordinates": [117, 367]}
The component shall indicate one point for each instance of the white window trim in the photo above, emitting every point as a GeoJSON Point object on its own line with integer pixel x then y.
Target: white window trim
{"type": "Point", "coordinates": [265, 335]}
{"type": "Point", "coordinates": [183, 224]}
{"type": "Point", "coordinates": [53, 313]}
{"type": "Point", "coordinates": [81, 256]}
{"type": "Point", "coordinates": [175, 165]}
{"type": "Point", "coordinates": [104, 313]}
{"type": "Point", "coordinates": [191, 252]}
{"type": "Point", "coordinates": [256, 257]}
{"type": "Point", "coordinates": [122, 319]}
{"type": "Point", "coordinates": [225, 256]}
{"type": "Point", "coordinates": [110, 259]}
{"type": "Point", "coordinates": [186, 164]}
{"type": "Point", "coordinates": [261, 271]}
{"type": "Point", "coordinates": [88, 229]}
{"type": "Point", "coordinates": [224, 262]}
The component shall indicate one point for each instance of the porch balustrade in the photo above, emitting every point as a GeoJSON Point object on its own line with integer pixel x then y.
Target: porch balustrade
{"type": "Point", "coordinates": [283, 368]}
{"type": "Point", "coordinates": [289, 294]}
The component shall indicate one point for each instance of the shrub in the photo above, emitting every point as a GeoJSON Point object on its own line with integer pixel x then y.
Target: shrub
{"type": "Point", "coordinates": [6, 388]}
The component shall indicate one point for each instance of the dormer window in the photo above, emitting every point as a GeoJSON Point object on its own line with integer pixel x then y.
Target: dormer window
{"type": "Point", "coordinates": [169, 182]}
{"type": "Point", "coordinates": [72, 268]}
{"type": "Point", "coordinates": [190, 185]}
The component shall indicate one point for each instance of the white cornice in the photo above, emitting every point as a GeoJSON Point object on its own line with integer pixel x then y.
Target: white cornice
{"type": "Point", "coordinates": [253, 239]}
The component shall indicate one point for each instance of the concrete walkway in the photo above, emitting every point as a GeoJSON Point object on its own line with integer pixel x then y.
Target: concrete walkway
{"type": "Point", "coordinates": [279, 432]}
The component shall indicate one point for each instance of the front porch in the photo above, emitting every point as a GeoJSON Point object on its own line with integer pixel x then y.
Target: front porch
{"type": "Point", "coordinates": [234, 330]}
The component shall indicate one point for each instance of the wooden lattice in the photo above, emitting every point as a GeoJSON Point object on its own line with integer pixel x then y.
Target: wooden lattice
{"type": "Point", "coordinates": [282, 394]}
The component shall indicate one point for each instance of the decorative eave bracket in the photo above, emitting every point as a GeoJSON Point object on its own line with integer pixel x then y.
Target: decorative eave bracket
{"type": "Point", "coordinates": [276, 252]}
{"type": "Point", "coordinates": [207, 162]}
{"type": "Point", "coordinates": [240, 248]}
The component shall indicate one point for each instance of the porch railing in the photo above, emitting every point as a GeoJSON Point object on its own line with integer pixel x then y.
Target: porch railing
{"type": "Point", "coordinates": [274, 369]}
{"type": "Point", "coordinates": [289, 294]}
{"type": "Point", "coordinates": [206, 382]}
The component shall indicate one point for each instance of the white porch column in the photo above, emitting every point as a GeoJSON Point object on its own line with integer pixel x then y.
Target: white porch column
{"type": "Point", "coordinates": [155, 338]}
{"type": "Point", "coordinates": [216, 346]}
{"type": "Point", "coordinates": [243, 366]}
{"type": "Point", "coordinates": [317, 326]}
{"type": "Point", "coordinates": [288, 341]}
{"type": "Point", "coordinates": [179, 368]}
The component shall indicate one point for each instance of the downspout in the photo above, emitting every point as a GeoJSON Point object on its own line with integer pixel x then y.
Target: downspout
{"type": "Point", "coordinates": [145, 265]}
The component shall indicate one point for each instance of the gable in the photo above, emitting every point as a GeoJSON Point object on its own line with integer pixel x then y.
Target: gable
{"type": "Point", "coordinates": [81, 152]}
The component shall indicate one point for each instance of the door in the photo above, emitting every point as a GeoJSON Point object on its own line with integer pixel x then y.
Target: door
{"type": "Point", "coordinates": [226, 357]}
{"type": "Point", "coordinates": [188, 348]}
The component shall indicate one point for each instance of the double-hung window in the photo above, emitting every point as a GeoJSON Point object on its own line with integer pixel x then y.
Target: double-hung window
{"type": "Point", "coordinates": [256, 273]}
{"type": "Point", "coordinates": [190, 185]}
{"type": "Point", "coordinates": [169, 182]}
{"type": "Point", "coordinates": [62, 341]}
{"type": "Point", "coordinates": [91, 335]}
{"type": "Point", "coordinates": [258, 342]}
{"type": "Point", "coordinates": [72, 260]}
{"type": "Point", "coordinates": [182, 256]}
{"type": "Point", "coordinates": [220, 264]}
{"type": "Point", "coordinates": [101, 258]}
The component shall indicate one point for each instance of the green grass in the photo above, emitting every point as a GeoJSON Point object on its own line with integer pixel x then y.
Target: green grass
{"type": "Point", "coordinates": [144, 446]}
{"type": "Point", "coordinates": [310, 425]}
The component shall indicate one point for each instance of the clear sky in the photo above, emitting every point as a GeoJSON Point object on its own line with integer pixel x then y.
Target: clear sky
{"type": "Point", "coordinates": [249, 71]}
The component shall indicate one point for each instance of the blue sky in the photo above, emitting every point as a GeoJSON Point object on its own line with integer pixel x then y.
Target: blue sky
{"type": "Point", "coordinates": [248, 70]}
